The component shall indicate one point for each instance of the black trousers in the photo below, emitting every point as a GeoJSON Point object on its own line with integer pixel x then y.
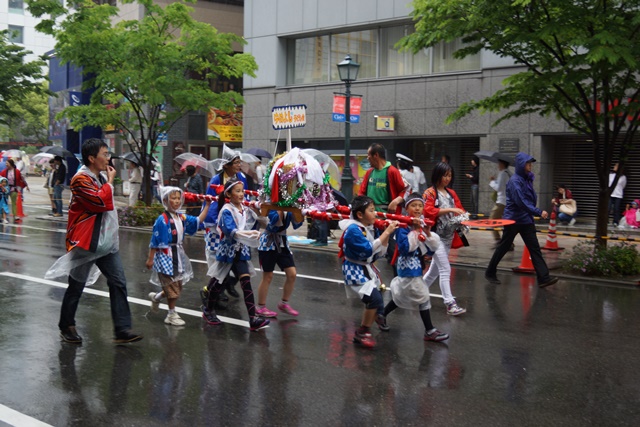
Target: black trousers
{"type": "Point", "coordinates": [529, 236]}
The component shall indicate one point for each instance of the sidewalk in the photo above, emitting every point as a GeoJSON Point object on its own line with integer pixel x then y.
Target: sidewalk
{"type": "Point", "coordinates": [477, 255]}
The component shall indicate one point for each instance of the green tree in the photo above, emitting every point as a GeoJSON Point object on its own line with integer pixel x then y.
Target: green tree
{"type": "Point", "coordinates": [151, 71]}
{"type": "Point", "coordinates": [580, 59]}
{"type": "Point", "coordinates": [29, 117]}
{"type": "Point", "coordinates": [18, 79]}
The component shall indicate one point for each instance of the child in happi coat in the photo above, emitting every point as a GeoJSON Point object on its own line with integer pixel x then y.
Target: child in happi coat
{"type": "Point", "coordinates": [408, 289]}
{"type": "Point", "coordinates": [235, 227]}
{"type": "Point", "coordinates": [360, 245]}
{"type": "Point", "coordinates": [171, 266]}
{"type": "Point", "coordinates": [4, 199]}
{"type": "Point", "coordinates": [274, 249]}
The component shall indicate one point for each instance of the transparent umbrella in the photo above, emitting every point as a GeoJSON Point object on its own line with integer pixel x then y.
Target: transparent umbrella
{"type": "Point", "coordinates": [42, 158]}
{"type": "Point", "coordinates": [202, 165]}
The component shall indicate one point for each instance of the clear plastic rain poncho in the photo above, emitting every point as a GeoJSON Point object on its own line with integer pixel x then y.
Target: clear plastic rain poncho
{"type": "Point", "coordinates": [160, 240]}
{"type": "Point", "coordinates": [80, 263]}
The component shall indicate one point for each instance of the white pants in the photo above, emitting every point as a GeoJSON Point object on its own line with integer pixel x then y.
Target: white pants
{"type": "Point", "coordinates": [440, 267]}
{"type": "Point", "coordinates": [134, 190]}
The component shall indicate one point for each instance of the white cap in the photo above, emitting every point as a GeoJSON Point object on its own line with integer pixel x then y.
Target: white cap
{"type": "Point", "coordinates": [403, 157]}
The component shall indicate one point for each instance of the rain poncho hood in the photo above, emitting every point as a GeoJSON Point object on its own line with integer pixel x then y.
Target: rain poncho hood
{"type": "Point", "coordinates": [164, 195]}
{"type": "Point", "coordinates": [521, 197]}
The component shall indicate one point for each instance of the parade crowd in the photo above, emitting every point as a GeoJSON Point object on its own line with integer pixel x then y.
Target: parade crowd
{"type": "Point", "coordinates": [426, 223]}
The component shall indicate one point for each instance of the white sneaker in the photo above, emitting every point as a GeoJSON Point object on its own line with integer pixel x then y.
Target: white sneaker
{"type": "Point", "coordinates": [573, 221]}
{"type": "Point", "coordinates": [155, 304]}
{"type": "Point", "coordinates": [174, 319]}
{"type": "Point", "coordinates": [6, 221]}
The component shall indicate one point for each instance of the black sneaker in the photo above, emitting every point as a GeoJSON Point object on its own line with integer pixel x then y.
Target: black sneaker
{"type": "Point", "coordinates": [436, 336]}
{"type": "Point", "coordinates": [70, 335]}
{"type": "Point", "coordinates": [258, 323]}
{"type": "Point", "coordinates": [210, 316]}
{"type": "Point", "coordinates": [492, 279]}
{"type": "Point", "coordinates": [126, 337]}
{"type": "Point", "coordinates": [381, 320]}
{"type": "Point", "coordinates": [551, 281]}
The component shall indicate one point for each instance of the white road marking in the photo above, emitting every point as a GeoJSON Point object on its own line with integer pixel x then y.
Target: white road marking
{"type": "Point", "coordinates": [144, 302]}
{"type": "Point", "coordinates": [14, 235]}
{"type": "Point", "coordinates": [15, 418]}
{"type": "Point", "coordinates": [55, 230]}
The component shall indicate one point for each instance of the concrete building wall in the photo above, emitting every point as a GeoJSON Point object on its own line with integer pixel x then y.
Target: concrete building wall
{"type": "Point", "coordinates": [34, 41]}
{"type": "Point", "coordinates": [420, 104]}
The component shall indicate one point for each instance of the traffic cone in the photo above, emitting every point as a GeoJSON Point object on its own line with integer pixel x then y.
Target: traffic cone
{"type": "Point", "coordinates": [526, 266]}
{"type": "Point", "coordinates": [19, 212]}
{"type": "Point", "coordinates": [552, 240]}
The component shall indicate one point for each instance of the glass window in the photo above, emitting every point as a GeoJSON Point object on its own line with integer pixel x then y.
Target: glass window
{"type": "Point", "coordinates": [16, 34]}
{"type": "Point", "coordinates": [310, 60]}
{"type": "Point", "coordinates": [314, 59]}
{"type": "Point", "coordinates": [16, 6]}
{"type": "Point", "coordinates": [394, 63]}
{"type": "Point", "coordinates": [443, 60]}
{"type": "Point", "coordinates": [363, 48]}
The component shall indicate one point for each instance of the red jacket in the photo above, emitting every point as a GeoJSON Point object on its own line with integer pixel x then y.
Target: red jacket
{"type": "Point", "coordinates": [88, 202]}
{"type": "Point", "coordinates": [394, 181]}
{"type": "Point", "coordinates": [20, 182]}
{"type": "Point", "coordinates": [431, 211]}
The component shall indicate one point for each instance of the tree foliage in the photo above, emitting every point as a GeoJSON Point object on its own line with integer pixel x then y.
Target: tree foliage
{"type": "Point", "coordinates": [18, 78]}
{"type": "Point", "coordinates": [580, 59]}
{"type": "Point", "coordinates": [29, 117]}
{"type": "Point", "coordinates": [145, 74]}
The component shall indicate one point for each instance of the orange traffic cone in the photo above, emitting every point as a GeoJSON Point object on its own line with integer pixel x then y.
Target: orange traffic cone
{"type": "Point", "coordinates": [19, 212]}
{"type": "Point", "coordinates": [552, 240]}
{"type": "Point", "coordinates": [526, 266]}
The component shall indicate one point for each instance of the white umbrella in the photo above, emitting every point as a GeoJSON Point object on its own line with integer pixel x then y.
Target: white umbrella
{"type": "Point", "coordinates": [202, 165]}
{"type": "Point", "coordinates": [42, 158]}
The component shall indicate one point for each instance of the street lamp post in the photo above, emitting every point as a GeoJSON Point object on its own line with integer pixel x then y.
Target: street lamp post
{"type": "Point", "coordinates": [348, 71]}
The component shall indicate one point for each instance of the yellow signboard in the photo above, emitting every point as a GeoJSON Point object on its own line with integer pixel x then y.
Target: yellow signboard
{"type": "Point", "coordinates": [385, 123]}
{"type": "Point", "coordinates": [224, 126]}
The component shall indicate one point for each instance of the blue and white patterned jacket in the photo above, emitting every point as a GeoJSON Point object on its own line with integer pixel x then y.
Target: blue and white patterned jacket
{"type": "Point", "coordinates": [275, 235]}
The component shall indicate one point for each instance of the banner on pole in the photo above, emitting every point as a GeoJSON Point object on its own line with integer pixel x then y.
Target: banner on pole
{"type": "Point", "coordinates": [340, 106]}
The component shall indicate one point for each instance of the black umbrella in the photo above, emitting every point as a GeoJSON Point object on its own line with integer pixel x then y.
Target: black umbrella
{"type": "Point", "coordinates": [132, 157]}
{"type": "Point", "coordinates": [340, 198]}
{"type": "Point", "coordinates": [57, 150]}
{"type": "Point", "coordinates": [494, 156]}
{"type": "Point", "coordinates": [259, 152]}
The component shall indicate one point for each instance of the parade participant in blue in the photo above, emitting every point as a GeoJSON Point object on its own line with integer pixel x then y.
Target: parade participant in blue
{"type": "Point", "coordinates": [521, 207]}
{"type": "Point", "coordinates": [229, 166]}
{"type": "Point", "coordinates": [171, 266]}
{"type": "Point", "coordinates": [274, 249]}
{"type": "Point", "coordinates": [236, 225]}
{"type": "Point", "coordinates": [408, 289]}
{"type": "Point", "coordinates": [360, 245]}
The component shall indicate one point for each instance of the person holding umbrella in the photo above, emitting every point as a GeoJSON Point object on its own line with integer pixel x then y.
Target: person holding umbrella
{"type": "Point", "coordinates": [135, 182]}
{"type": "Point", "coordinates": [59, 177]}
{"type": "Point", "coordinates": [499, 185]}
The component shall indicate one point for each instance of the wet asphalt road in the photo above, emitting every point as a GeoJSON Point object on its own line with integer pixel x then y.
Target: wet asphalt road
{"type": "Point", "coordinates": [565, 355]}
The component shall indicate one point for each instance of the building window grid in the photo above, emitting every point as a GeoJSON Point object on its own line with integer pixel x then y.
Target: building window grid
{"type": "Point", "coordinates": [16, 34]}
{"type": "Point", "coordinates": [370, 48]}
{"type": "Point", "coordinates": [16, 6]}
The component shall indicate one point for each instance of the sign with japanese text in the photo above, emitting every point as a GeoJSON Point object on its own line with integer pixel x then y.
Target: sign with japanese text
{"type": "Point", "coordinates": [224, 126]}
{"type": "Point", "coordinates": [289, 116]}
